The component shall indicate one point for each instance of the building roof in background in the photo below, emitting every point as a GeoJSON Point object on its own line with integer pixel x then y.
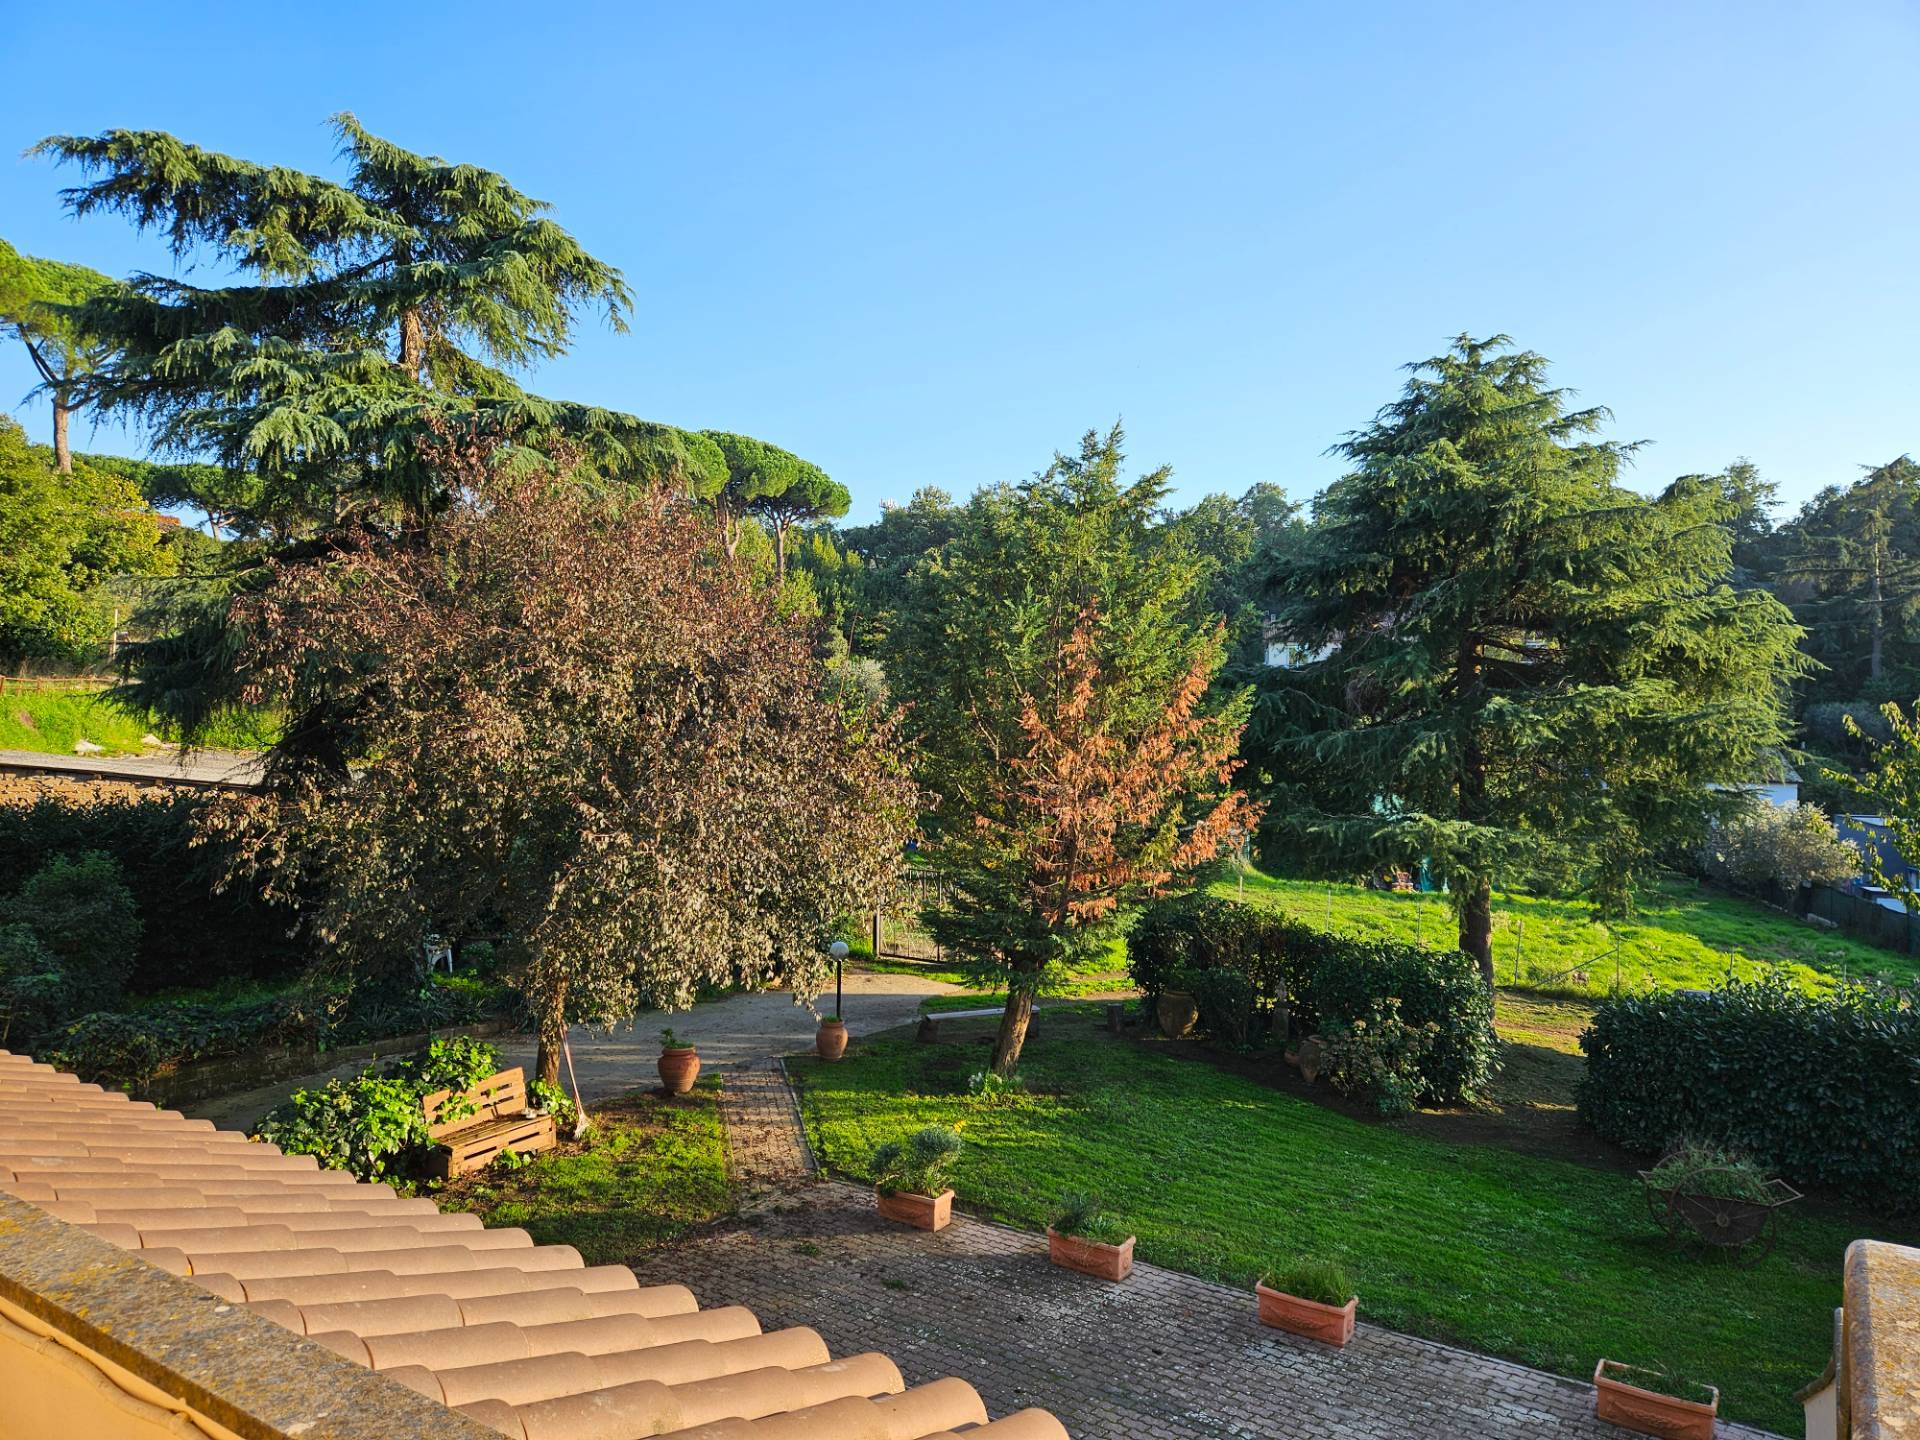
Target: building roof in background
{"type": "Point", "coordinates": [524, 1338]}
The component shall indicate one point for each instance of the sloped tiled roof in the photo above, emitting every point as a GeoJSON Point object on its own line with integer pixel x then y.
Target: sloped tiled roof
{"type": "Point", "coordinates": [524, 1338]}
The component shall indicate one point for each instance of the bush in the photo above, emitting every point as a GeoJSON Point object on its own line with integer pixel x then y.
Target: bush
{"type": "Point", "coordinates": [1325, 1282]}
{"type": "Point", "coordinates": [1379, 1057]}
{"type": "Point", "coordinates": [369, 1125]}
{"type": "Point", "coordinates": [1778, 847]}
{"type": "Point", "coordinates": [920, 1166]}
{"type": "Point", "coordinates": [34, 991]}
{"type": "Point", "coordinates": [190, 936]}
{"type": "Point", "coordinates": [1824, 1090]}
{"type": "Point", "coordinates": [1323, 982]}
{"type": "Point", "coordinates": [1225, 999]}
{"type": "Point", "coordinates": [82, 913]}
{"type": "Point", "coordinates": [1082, 1216]}
{"type": "Point", "coordinates": [128, 1049]}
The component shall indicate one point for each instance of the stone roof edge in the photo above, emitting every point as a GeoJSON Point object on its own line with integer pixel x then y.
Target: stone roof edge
{"type": "Point", "coordinates": [256, 1378]}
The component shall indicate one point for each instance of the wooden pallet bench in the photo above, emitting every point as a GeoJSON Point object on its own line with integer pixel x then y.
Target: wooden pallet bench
{"type": "Point", "coordinates": [493, 1118]}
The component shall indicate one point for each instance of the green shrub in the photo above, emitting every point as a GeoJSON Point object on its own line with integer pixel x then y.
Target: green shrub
{"type": "Point", "coordinates": [1323, 981]}
{"type": "Point", "coordinates": [1703, 1168]}
{"type": "Point", "coordinates": [35, 994]}
{"type": "Point", "coordinates": [1379, 1057]}
{"type": "Point", "coordinates": [1081, 1215]}
{"type": "Point", "coordinates": [80, 909]}
{"type": "Point", "coordinates": [919, 1166]}
{"type": "Point", "coordinates": [189, 936]}
{"type": "Point", "coordinates": [128, 1049]}
{"type": "Point", "coordinates": [1225, 999]}
{"type": "Point", "coordinates": [1825, 1090]}
{"type": "Point", "coordinates": [1324, 1282]}
{"type": "Point", "coordinates": [370, 1124]}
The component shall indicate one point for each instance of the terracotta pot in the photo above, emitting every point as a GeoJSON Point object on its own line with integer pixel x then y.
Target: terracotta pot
{"type": "Point", "coordinates": [923, 1212]}
{"type": "Point", "coordinates": [679, 1069]}
{"type": "Point", "coordinates": [1331, 1323]}
{"type": "Point", "coordinates": [1648, 1411]}
{"type": "Point", "coordinates": [1090, 1257]}
{"type": "Point", "coordinates": [1176, 1013]}
{"type": "Point", "coordinates": [831, 1042]}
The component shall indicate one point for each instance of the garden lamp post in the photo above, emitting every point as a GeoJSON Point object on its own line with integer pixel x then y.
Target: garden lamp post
{"type": "Point", "coordinates": [839, 952]}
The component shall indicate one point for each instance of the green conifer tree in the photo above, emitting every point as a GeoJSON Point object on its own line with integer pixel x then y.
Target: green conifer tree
{"type": "Point", "coordinates": [1522, 669]}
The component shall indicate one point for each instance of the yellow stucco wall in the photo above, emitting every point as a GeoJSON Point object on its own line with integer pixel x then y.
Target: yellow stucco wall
{"type": "Point", "coordinates": [51, 1388]}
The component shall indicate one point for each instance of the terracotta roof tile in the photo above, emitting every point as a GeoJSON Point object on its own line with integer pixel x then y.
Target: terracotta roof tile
{"type": "Point", "coordinates": [523, 1337]}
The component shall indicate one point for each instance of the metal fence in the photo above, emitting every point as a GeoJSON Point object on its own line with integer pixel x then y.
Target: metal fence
{"type": "Point", "coordinates": [1863, 919]}
{"type": "Point", "coordinates": [899, 931]}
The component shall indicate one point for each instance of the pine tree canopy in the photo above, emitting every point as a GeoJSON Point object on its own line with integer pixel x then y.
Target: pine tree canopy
{"type": "Point", "coordinates": [37, 300]}
{"type": "Point", "coordinates": [1525, 667]}
{"type": "Point", "coordinates": [415, 287]}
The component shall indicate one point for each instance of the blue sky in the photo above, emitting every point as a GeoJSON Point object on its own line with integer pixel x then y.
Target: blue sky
{"type": "Point", "coordinates": [929, 244]}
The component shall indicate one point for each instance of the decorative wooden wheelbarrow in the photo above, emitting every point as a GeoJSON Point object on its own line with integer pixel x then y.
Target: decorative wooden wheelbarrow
{"type": "Point", "coordinates": [1748, 1226]}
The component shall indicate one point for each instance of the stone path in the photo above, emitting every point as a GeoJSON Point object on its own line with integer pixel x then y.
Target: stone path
{"type": "Point", "coordinates": [735, 1030]}
{"type": "Point", "coordinates": [1163, 1356]}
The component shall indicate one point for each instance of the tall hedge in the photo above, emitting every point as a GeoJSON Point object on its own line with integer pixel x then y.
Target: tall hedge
{"type": "Point", "coordinates": [189, 935]}
{"type": "Point", "coordinates": [1824, 1089]}
{"type": "Point", "coordinates": [1325, 978]}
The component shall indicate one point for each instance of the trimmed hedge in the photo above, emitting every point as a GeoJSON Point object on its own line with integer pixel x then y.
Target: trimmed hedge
{"type": "Point", "coordinates": [1319, 979]}
{"type": "Point", "coordinates": [129, 1048]}
{"type": "Point", "coordinates": [189, 935]}
{"type": "Point", "coordinates": [1823, 1089]}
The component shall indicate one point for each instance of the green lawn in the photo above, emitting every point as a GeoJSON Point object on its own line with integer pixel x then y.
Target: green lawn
{"type": "Point", "coordinates": [1544, 1261]}
{"type": "Point", "coordinates": [651, 1170]}
{"type": "Point", "coordinates": [48, 721]}
{"type": "Point", "coordinates": [1682, 936]}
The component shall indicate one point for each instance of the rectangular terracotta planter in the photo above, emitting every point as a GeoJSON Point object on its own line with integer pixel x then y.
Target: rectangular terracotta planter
{"type": "Point", "coordinates": [1648, 1411]}
{"type": "Point", "coordinates": [1330, 1323]}
{"type": "Point", "coordinates": [923, 1212]}
{"type": "Point", "coordinates": [1090, 1257]}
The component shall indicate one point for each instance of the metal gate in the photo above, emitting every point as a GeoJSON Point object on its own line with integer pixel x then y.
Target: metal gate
{"type": "Point", "coordinates": [899, 930]}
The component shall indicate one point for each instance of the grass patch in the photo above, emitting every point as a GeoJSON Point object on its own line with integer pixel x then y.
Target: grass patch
{"type": "Point", "coordinates": [1541, 1260]}
{"type": "Point", "coordinates": [651, 1170]}
{"type": "Point", "coordinates": [48, 722]}
{"type": "Point", "coordinates": [1683, 937]}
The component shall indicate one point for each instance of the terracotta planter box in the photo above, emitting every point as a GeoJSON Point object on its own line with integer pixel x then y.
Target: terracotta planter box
{"type": "Point", "coordinates": [923, 1212]}
{"type": "Point", "coordinates": [1090, 1257]}
{"type": "Point", "coordinates": [1648, 1411]}
{"type": "Point", "coordinates": [831, 1042]}
{"type": "Point", "coordinates": [679, 1069]}
{"type": "Point", "coordinates": [1330, 1323]}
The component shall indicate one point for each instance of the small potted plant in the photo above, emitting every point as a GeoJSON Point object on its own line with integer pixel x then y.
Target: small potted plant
{"type": "Point", "coordinates": [679, 1063]}
{"type": "Point", "coordinates": [1313, 1298]}
{"type": "Point", "coordinates": [909, 1180]}
{"type": "Point", "coordinates": [1654, 1402]}
{"type": "Point", "coordinates": [1084, 1237]}
{"type": "Point", "coordinates": [831, 1041]}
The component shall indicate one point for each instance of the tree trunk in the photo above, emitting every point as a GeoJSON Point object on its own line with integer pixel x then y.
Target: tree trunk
{"type": "Point", "coordinates": [553, 1034]}
{"type": "Point", "coordinates": [1013, 1029]}
{"type": "Point", "coordinates": [62, 451]}
{"type": "Point", "coordinates": [1476, 926]}
{"type": "Point", "coordinates": [779, 553]}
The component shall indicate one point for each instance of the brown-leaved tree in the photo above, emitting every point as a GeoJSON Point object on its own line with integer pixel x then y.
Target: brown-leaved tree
{"type": "Point", "coordinates": [573, 722]}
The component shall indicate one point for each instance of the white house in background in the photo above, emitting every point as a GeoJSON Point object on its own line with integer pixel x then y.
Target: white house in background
{"type": "Point", "coordinates": [1779, 787]}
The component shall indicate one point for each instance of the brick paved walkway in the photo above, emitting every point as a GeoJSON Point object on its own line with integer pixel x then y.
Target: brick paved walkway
{"type": "Point", "coordinates": [766, 1148]}
{"type": "Point", "coordinates": [1161, 1357]}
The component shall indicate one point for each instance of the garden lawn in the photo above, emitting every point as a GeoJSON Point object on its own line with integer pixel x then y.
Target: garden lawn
{"type": "Point", "coordinates": [48, 721]}
{"type": "Point", "coordinates": [1683, 936]}
{"type": "Point", "coordinates": [651, 1170]}
{"type": "Point", "coordinates": [1543, 1261]}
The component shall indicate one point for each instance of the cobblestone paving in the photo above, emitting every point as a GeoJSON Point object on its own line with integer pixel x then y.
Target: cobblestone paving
{"type": "Point", "coordinates": [1163, 1356]}
{"type": "Point", "coordinates": [766, 1147]}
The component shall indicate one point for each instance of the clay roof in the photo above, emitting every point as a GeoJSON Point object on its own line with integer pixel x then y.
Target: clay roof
{"type": "Point", "coordinates": [522, 1337]}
